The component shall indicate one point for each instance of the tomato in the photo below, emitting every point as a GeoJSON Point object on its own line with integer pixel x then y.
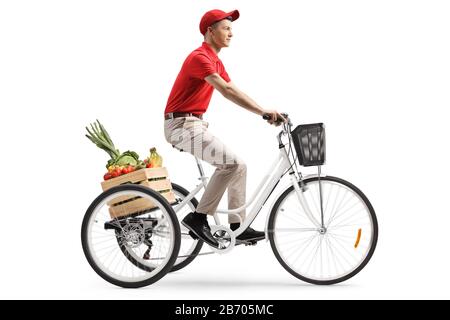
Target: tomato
{"type": "Point", "coordinates": [115, 174]}
{"type": "Point", "coordinates": [107, 176]}
{"type": "Point", "coordinates": [125, 170]}
{"type": "Point", "coordinates": [130, 169]}
{"type": "Point", "coordinates": [149, 165]}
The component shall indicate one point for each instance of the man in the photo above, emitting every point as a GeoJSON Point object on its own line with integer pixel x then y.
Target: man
{"type": "Point", "coordinates": [185, 129]}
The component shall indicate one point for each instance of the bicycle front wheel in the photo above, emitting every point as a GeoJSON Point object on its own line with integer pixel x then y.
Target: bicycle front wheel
{"type": "Point", "coordinates": [130, 236]}
{"type": "Point", "coordinates": [326, 255]}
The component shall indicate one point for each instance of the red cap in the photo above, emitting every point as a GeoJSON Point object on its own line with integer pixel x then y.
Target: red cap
{"type": "Point", "coordinates": [213, 16]}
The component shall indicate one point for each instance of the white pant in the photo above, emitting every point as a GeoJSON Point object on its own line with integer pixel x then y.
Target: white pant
{"type": "Point", "coordinates": [191, 134]}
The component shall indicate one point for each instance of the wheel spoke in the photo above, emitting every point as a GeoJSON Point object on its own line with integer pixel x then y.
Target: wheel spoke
{"type": "Point", "coordinates": [294, 229]}
{"type": "Point", "coordinates": [301, 252]}
{"type": "Point", "coordinates": [337, 216]}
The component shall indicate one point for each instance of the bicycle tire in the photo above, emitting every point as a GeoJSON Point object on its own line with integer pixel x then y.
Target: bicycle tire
{"type": "Point", "coordinates": [373, 244]}
{"type": "Point", "coordinates": [156, 198]}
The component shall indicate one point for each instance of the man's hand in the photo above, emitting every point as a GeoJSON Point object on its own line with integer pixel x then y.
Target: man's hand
{"type": "Point", "coordinates": [275, 117]}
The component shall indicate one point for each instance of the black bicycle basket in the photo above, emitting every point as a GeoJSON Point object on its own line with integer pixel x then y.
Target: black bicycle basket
{"type": "Point", "coordinates": [309, 142]}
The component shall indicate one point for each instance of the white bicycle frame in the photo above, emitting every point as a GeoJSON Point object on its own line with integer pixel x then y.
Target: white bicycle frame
{"type": "Point", "coordinates": [262, 192]}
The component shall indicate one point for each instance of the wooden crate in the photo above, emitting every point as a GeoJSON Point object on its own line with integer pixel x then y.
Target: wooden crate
{"type": "Point", "coordinates": [154, 178]}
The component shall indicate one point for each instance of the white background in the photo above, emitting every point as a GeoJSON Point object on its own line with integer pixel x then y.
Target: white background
{"type": "Point", "coordinates": [377, 73]}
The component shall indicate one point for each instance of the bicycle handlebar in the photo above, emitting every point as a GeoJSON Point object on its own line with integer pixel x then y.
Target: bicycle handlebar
{"type": "Point", "coordinates": [284, 115]}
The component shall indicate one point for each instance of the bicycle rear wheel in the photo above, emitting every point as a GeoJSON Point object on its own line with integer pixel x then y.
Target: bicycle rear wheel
{"type": "Point", "coordinates": [133, 248]}
{"type": "Point", "coordinates": [330, 255]}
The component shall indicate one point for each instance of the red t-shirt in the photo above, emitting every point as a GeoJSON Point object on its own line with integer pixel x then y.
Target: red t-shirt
{"type": "Point", "coordinates": [190, 92]}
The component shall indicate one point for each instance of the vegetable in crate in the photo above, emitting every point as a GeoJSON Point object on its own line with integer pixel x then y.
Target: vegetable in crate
{"type": "Point", "coordinates": [100, 137]}
{"type": "Point", "coordinates": [155, 160]}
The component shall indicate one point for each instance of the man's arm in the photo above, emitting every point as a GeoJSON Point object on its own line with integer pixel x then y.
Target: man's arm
{"type": "Point", "coordinates": [232, 93]}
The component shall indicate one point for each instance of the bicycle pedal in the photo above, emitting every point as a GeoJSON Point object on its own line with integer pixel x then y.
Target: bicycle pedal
{"type": "Point", "coordinates": [146, 255]}
{"type": "Point", "coordinates": [193, 235]}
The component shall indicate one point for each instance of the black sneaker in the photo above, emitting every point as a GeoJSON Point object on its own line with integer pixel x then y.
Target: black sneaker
{"type": "Point", "coordinates": [251, 235]}
{"type": "Point", "coordinates": [200, 228]}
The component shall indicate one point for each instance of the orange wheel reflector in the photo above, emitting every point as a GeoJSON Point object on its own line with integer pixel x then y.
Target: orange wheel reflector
{"type": "Point", "coordinates": [358, 238]}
